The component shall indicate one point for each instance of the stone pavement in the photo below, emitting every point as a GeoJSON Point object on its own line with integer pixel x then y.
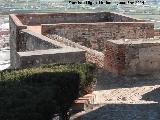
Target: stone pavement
{"type": "Point", "coordinates": [126, 98]}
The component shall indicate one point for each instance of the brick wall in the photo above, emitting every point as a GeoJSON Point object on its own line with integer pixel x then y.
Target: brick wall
{"type": "Point", "coordinates": [157, 32]}
{"type": "Point", "coordinates": [94, 35]}
{"type": "Point", "coordinates": [114, 58]}
{"type": "Point", "coordinates": [132, 57]}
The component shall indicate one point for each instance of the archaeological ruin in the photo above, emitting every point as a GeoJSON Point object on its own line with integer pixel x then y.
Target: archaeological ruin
{"type": "Point", "coordinates": [117, 43]}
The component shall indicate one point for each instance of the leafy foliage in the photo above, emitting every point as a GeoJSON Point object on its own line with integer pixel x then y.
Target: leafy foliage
{"type": "Point", "coordinates": [39, 93]}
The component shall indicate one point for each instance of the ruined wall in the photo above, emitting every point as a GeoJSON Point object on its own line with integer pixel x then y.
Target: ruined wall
{"type": "Point", "coordinates": [117, 17]}
{"type": "Point", "coordinates": [60, 56]}
{"type": "Point", "coordinates": [91, 55]}
{"type": "Point", "coordinates": [157, 32]}
{"type": "Point", "coordinates": [37, 19]}
{"type": "Point", "coordinates": [15, 27]}
{"type": "Point", "coordinates": [85, 29]}
{"type": "Point", "coordinates": [30, 49]}
{"type": "Point", "coordinates": [31, 41]}
{"type": "Point", "coordinates": [114, 60]}
{"type": "Point", "coordinates": [132, 57]}
{"type": "Point", "coordinates": [94, 35]}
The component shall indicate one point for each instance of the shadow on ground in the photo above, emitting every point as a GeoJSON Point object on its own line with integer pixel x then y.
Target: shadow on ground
{"type": "Point", "coordinates": [106, 80]}
{"type": "Point", "coordinates": [152, 96]}
{"type": "Point", "coordinates": [141, 111]}
{"type": "Point", "coordinates": [124, 112]}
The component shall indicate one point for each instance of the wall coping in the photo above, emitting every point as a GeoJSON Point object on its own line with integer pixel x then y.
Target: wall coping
{"type": "Point", "coordinates": [97, 23]}
{"type": "Point", "coordinates": [136, 41]}
{"type": "Point", "coordinates": [17, 21]}
{"type": "Point", "coordinates": [50, 51]}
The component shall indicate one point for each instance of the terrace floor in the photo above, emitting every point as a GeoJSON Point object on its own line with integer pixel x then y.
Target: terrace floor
{"type": "Point", "coordinates": [36, 28]}
{"type": "Point", "coordinates": [125, 98]}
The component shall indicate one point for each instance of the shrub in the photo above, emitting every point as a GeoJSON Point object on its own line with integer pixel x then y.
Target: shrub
{"type": "Point", "coordinates": [39, 93]}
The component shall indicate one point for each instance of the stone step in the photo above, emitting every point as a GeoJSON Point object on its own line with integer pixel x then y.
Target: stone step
{"type": "Point", "coordinates": [84, 103]}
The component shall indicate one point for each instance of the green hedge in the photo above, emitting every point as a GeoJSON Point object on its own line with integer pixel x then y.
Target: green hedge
{"type": "Point", "coordinates": [39, 93]}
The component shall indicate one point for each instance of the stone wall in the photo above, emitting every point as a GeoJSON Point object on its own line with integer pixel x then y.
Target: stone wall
{"type": "Point", "coordinates": [157, 32]}
{"type": "Point", "coordinates": [94, 35]}
{"type": "Point", "coordinates": [87, 31]}
{"type": "Point", "coordinates": [15, 27]}
{"type": "Point", "coordinates": [37, 19]}
{"type": "Point", "coordinates": [91, 55]}
{"type": "Point", "coordinates": [31, 41]}
{"type": "Point", "coordinates": [29, 49]}
{"type": "Point", "coordinates": [117, 17]}
{"type": "Point", "coordinates": [132, 57]}
{"type": "Point", "coordinates": [114, 60]}
{"type": "Point", "coordinates": [50, 56]}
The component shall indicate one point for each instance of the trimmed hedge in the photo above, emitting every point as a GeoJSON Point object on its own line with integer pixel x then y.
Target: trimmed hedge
{"type": "Point", "coordinates": [39, 93]}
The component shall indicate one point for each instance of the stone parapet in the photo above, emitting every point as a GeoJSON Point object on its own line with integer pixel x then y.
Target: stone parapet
{"type": "Point", "coordinates": [94, 35]}
{"type": "Point", "coordinates": [130, 57]}
{"type": "Point", "coordinates": [50, 56]}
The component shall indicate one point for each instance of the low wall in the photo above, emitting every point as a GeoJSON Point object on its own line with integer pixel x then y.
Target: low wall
{"type": "Point", "coordinates": [94, 35]}
{"type": "Point", "coordinates": [60, 56]}
{"type": "Point", "coordinates": [132, 57]}
{"type": "Point", "coordinates": [91, 55]}
{"type": "Point", "coordinates": [42, 18]}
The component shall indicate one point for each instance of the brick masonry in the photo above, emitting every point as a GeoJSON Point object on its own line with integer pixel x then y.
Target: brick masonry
{"type": "Point", "coordinates": [157, 32]}
{"type": "Point", "coordinates": [132, 57]}
{"type": "Point", "coordinates": [99, 34]}
{"type": "Point", "coordinates": [94, 35]}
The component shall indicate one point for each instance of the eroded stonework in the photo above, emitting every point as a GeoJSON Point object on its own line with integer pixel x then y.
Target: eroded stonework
{"type": "Point", "coordinates": [117, 43]}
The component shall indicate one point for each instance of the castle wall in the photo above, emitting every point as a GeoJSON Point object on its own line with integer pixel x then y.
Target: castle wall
{"type": "Point", "coordinates": [94, 35]}
{"type": "Point", "coordinates": [114, 60]}
{"type": "Point", "coordinates": [91, 55]}
{"type": "Point", "coordinates": [117, 17]}
{"type": "Point", "coordinates": [157, 32]}
{"type": "Point", "coordinates": [50, 56]}
{"type": "Point", "coordinates": [132, 57]}
{"type": "Point", "coordinates": [89, 32]}
{"type": "Point", "coordinates": [37, 19]}
{"type": "Point", "coordinates": [31, 41]}
{"type": "Point", "coordinates": [29, 49]}
{"type": "Point", "coordinates": [15, 27]}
